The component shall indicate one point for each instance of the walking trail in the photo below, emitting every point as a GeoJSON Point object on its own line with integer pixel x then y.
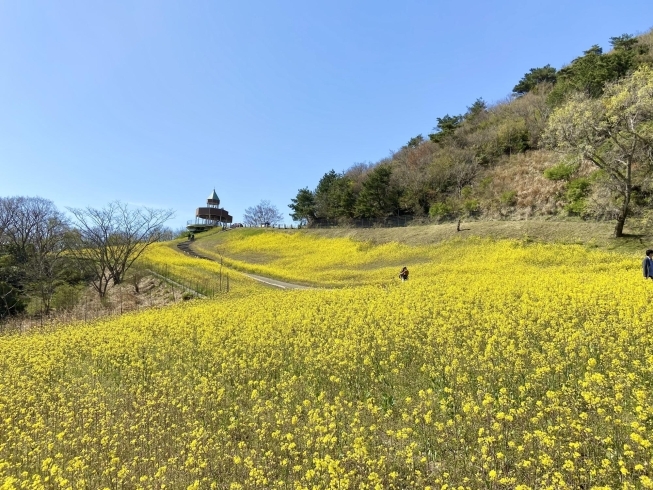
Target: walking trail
{"type": "Point", "coordinates": [188, 250]}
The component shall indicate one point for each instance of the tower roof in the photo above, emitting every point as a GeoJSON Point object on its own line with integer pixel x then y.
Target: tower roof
{"type": "Point", "coordinates": [214, 196]}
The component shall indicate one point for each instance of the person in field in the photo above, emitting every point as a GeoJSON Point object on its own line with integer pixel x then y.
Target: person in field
{"type": "Point", "coordinates": [647, 265]}
{"type": "Point", "coordinates": [403, 275]}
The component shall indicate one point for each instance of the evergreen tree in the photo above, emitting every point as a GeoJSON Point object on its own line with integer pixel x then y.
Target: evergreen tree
{"type": "Point", "coordinates": [545, 74]}
{"type": "Point", "coordinates": [334, 196]}
{"type": "Point", "coordinates": [414, 142]}
{"type": "Point", "coordinates": [625, 42]}
{"type": "Point", "coordinates": [303, 206]}
{"type": "Point", "coordinates": [378, 198]}
{"type": "Point", "coordinates": [446, 126]}
{"type": "Point", "coordinates": [591, 72]}
{"type": "Point", "coordinates": [476, 109]}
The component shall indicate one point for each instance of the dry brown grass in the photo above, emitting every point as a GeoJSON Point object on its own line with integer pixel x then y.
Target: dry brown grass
{"type": "Point", "coordinates": [523, 173]}
{"type": "Point", "coordinates": [594, 234]}
{"type": "Point", "coordinates": [153, 292]}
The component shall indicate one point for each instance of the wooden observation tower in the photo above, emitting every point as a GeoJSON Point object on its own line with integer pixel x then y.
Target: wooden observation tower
{"type": "Point", "coordinates": [210, 216]}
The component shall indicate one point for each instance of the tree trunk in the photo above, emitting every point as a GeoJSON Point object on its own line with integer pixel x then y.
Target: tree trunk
{"type": "Point", "coordinates": [619, 229]}
{"type": "Point", "coordinates": [621, 219]}
{"type": "Point", "coordinates": [117, 275]}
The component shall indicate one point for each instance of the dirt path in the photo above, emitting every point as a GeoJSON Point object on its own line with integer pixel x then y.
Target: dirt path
{"type": "Point", "coordinates": [188, 250]}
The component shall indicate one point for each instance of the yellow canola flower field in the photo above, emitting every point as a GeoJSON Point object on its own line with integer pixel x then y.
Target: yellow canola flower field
{"type": "Point", "coordinates": [341, 262]}
{"type": "Point", "coordinates": [504, 366]}
{"type": "Point", "coordinates": [302, 257]}
{"type": "Point", "coordinates": [199, 275]}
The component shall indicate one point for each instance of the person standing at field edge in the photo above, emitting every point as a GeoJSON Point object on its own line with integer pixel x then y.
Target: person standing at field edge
{"type": "Point", "coordinates": [403, 275]}
{"type": "Point", "coordinates": [647, 265]}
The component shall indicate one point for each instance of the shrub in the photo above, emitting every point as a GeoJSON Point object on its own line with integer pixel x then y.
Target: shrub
{"type": "Point", "coordinates": [485, 183]}
{"type": "Point", "coordinates": [11, 300]}
{"type": "Point", "coordinates": [575, 195]}
{"type": "Point", "coordinates": [509, 198]}
{"type": "Point", "coordinates": [561, 171]}
{"type": "Point", "coordinates": [439, 210]}
{"type": "Point", "coordinates": [512, 136]}
{"type": "Point", "coordinates": [472, 206]}
{"type": "Point", "coordinates": [65, 297]}
{"type": "Point", "coordinates": [34, 306]}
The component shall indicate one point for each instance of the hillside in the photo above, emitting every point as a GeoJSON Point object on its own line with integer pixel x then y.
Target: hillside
{"type": "Point", "coordinates": [496, 161]}
{"type": "Point", "coordinates": [570, 231]}
{"type": "Point", "coordinates": [342, 257]}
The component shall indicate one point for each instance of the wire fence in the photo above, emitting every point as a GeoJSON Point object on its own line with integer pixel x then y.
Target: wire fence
{"type": "Point", "coordinates": [89, 307]}
{"type": "Point", "coordinates": [388, 222]}
{"type": "Point", "coordinates": [204, 288]}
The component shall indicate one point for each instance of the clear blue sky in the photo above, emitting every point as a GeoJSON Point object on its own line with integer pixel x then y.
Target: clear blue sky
{"type": "Point", "coordinates": [156, 102]}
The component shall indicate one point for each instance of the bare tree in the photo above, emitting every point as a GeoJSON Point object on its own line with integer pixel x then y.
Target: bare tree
{"type": "Point", "coordinates": [262, 214]}
{"type": "Point", "coordinates": [168, 233]}
{"type": "Point", "coordinates": [32, 230]}
{"type": "Point", "coordinates": [109, 240]}
{"type": "Point", "coordinates": [6, 213]}
{"type": "Point", "coordinates": [462, 168]}
{"type": "Point", "coordinates": [46, 260]}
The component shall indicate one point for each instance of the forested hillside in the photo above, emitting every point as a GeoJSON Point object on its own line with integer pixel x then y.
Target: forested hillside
{"type": "Point", "coordinates": [507, 161]}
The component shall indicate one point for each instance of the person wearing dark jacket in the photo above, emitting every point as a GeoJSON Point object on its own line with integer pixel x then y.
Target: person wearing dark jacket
{"type": "Point", "coordinates": [647, 265]}
{"type": "Point", "coordinates": [403, 275]}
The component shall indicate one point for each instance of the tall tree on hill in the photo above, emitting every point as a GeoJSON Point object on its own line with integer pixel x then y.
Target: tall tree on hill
{"type": "Point", "coordinates": [462, 168]}
{"type": "Point", "coordinates": [108, 241]}
{"type": "Point", "coordinates": [591, 72]}
{"type": "Point", "coordinates": [414, 142]}
{"type": "Point", "coordinates": [446, 127]}
{"type": "Point", "coordinates": [615, 132]}
{"type": "Point", "coordinates": [412, 174]}
{"type": "Point", "coordinates": [478, 108]}
{"type": "Point", "coordinates": [264, 213]}
{"type": "Point", "coordinates": [378, 197]}
{"type": "Point", "coordinates": [11, 277]}
{"type": "Point", "coordinates": [334, 196]}
{"type": "Point", "coordinates": [625, 42]}
{"type": "Point", "coordinates": [588, 73]}
{"type": "Point", "coordinates": [545, 74]}
{"type": "Point", "coordinates": [32, 233]}
{"type": "Point", "coordinates": [303, 206]}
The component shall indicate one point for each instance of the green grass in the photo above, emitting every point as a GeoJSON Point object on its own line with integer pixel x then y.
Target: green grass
{"type": "Point", "coordinates": [590, 234]}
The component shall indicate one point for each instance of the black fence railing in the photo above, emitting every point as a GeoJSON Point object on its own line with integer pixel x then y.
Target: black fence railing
{"type": "Point", "coordinates": [389, 222]}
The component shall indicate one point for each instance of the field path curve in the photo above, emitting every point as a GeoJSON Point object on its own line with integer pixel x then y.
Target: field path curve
{"type": "Point", "coordinates": [188, 250]}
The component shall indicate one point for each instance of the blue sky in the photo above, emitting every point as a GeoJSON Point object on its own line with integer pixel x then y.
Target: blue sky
{"type": "Point", "coordinates": [156, 102]}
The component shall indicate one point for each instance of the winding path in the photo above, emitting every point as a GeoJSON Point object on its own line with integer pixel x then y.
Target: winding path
{"type": "Point", "coordinates": [188, 250]}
